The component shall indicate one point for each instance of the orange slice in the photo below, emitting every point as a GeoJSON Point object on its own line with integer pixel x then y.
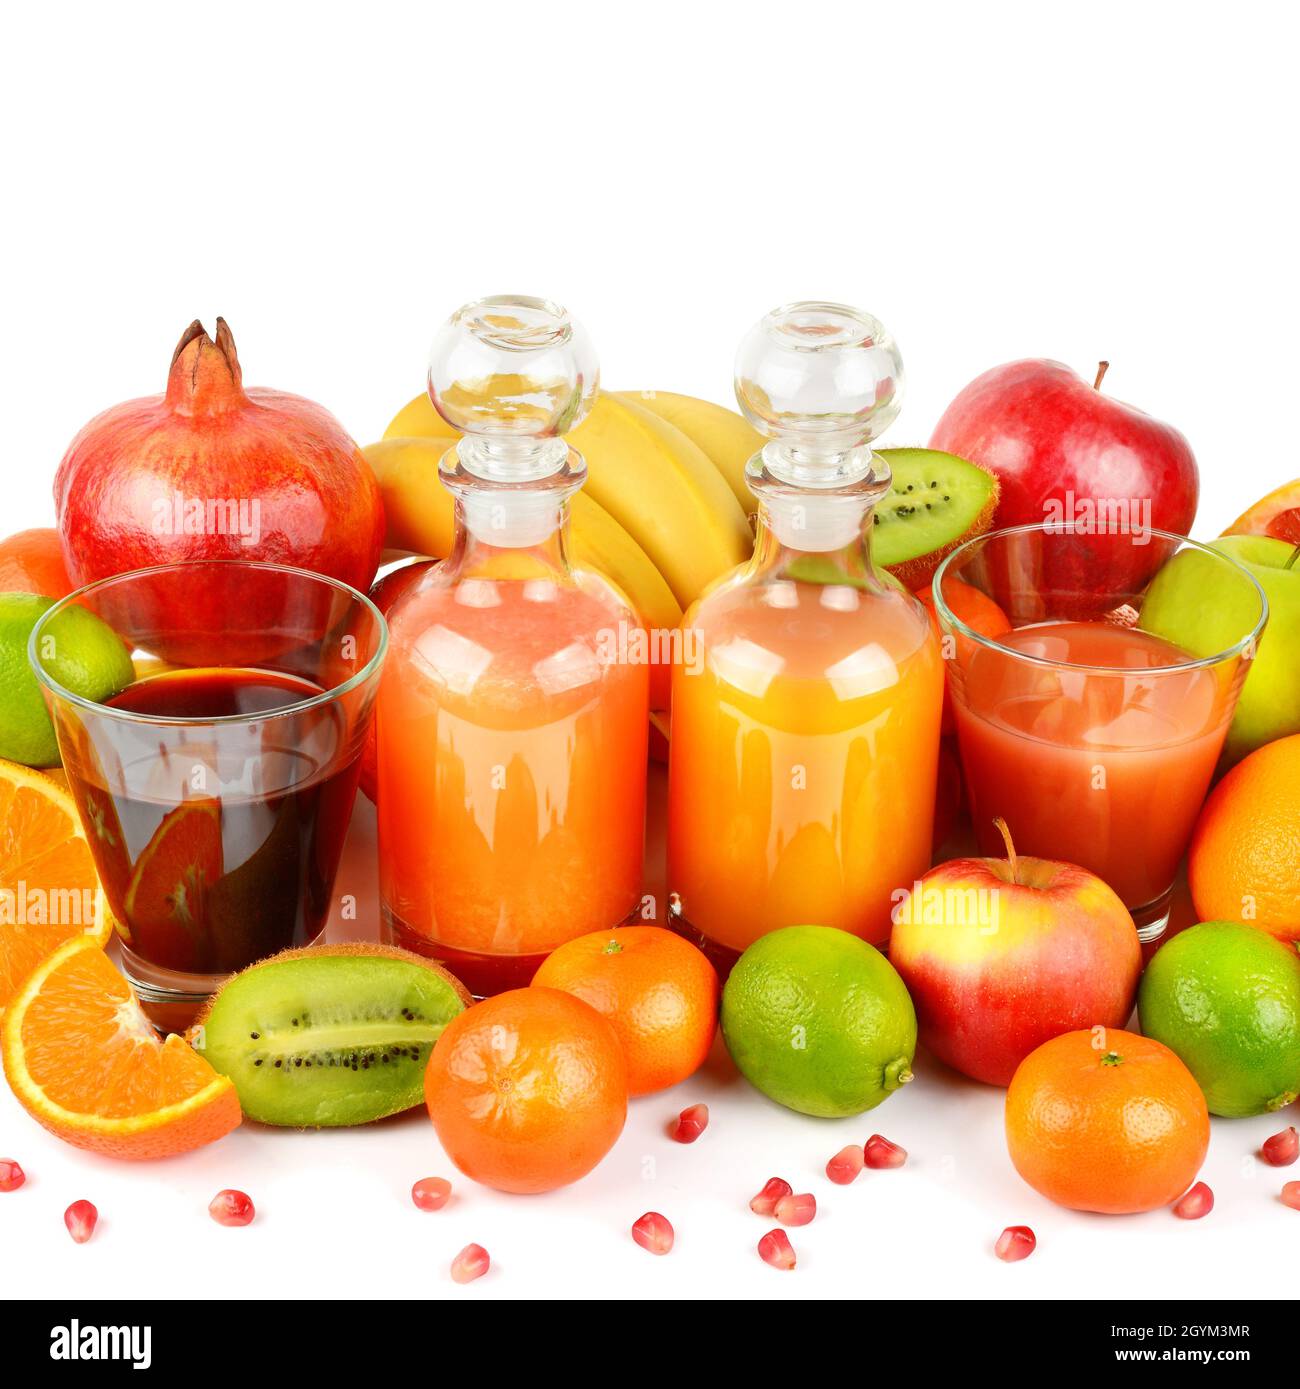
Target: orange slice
{"type": "Point", "coordinates": [84, 1061]}
{"type": "Point", "coordinates": [166, 901]}
{"type": "Point", "coordinates": [48, 889]}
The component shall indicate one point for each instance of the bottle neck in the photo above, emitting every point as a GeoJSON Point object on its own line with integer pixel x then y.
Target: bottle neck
{"type": "Point", "coordinates": [499, 544]}
{"type": "Point", "coordinates": [526, 515]}
{"type": "Point", "coordinates": [830, 524]}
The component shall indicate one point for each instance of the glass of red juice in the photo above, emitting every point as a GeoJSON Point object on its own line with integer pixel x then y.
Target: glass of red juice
{"type": "Point", "coordinates": [1094, 739]}
{"type": "Point", "coordinates": [216, 788]}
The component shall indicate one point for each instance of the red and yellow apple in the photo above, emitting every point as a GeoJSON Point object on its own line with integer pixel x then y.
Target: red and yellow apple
{"type": "Point", "coordinates": [1001, 955]}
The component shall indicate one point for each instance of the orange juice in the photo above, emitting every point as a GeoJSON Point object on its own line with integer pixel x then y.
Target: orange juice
{"type": "Point", "coordinates": [803, 759]}
{"type": "Point", "coordinates": [808, 696]}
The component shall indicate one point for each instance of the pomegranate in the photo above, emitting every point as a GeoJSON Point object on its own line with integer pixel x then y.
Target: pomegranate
{"type": "Point", "coordinates": [231, 1207]}
{"type": "Point", "coordinates": [796, 1210]}
{"type": "Point", "coordinates": [844, 1167]}
{"type": "Point", "coordinates": [1016, 1242]}
{"type": "Point", "coordinates": [879, 1153]}
{"type": "Point", "coordinates": [1195, 1203]}
{"type": "Point", "coordinates": [775, 1249]}
{"type": "Point", "coordinates": [654, 1232]}
{"type": "Point", "coordinates": [765, 1202]}
{"type": "Point", "coordinates": [210, 470]}
{"type": "Point", "coordinates": [472, 1262]}
{"type": "Point", "coordinates": [81, 1218]}
{"type": "Point", "coordinates": [431, 1193]}
{"type": "Point", "coordinates": [1282, 1149]}
{"type": "Point", "coordinates": [691, 1122]}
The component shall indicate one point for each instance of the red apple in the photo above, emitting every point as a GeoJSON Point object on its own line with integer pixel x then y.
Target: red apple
{"type": "Point", "coordinates": [1063, 450]}
{"type": "Point", "coordinates": [1000, 956]}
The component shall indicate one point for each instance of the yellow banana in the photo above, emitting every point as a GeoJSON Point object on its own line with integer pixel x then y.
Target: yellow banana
{"type": "Point", "coordinates": [417, 419]}
{"type": "Point", "coordinates": [420, 516]}
{"type": "Point", "coordinates": [664, 491]}
{"type": "Point", "coordinates": [650, 477]}
{"type": "Point", "coordinates": [725, 436]}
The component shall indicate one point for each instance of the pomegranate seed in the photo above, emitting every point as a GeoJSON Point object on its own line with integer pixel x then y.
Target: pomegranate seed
{"type": "Point", "coordinates": [471, 1263]}
{"type": "Point", "coordinates": [775, 1249]}
{"type": "Point", "coordinates": [796, 1210]}
{"type": "Point", "coordinates": [231, 1208]}
{"type": "Point", "coordinates": [653, 1232]}
{"type": "Point", "coordinates": [773, 1189]}
{"type": "Point", "coordinates": [1279, 1151]}
{"type": "Point", "coordinates": [80, 1218]}
{"type": "Point", "coordinates": [1195, 1203]}
{"type": "Point", "coordinates": [1015, 1242]}
{"type": "Point", "coordinates": [1291, 1195]}
{"type": "Point", "coordinates": [691, 1123]}
{"type": "Point", "coordinates": [880, 1152]}
{"type": "Point", "coordinates": [431, 1193]}
{"type": "Point", "coordinates": [11, 1175]}
{"type": "Point", "coordinates": [845, 1165]}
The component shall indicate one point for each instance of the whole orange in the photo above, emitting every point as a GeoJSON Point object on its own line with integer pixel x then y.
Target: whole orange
{"type": "Point", "coordinates": [32, 562]}
{"type": "Point", "coordinates": [1104, 1120]}
{"type": "Point", "coordinates": [976, 609]}
{"type": "Point", "coordinates": [527, 1090]}
{"type": "Point", "coordinates": [1244, 862]}
{"type": "Point", "coordinates": [659, 992]}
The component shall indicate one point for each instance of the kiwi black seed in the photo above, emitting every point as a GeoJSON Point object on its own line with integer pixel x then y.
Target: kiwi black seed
{"type": "Point", "coordinates": [937, 501]}
{"type": "Point", "coordinates": [329, 1036]}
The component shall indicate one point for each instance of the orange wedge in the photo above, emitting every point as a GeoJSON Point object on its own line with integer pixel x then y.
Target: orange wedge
{"type": "Point", "coordinates": [48, 889]}
{"type": "Point", "coordinates": [166, 900]}
{"type": "Point", "coordinates": [84, 1061]}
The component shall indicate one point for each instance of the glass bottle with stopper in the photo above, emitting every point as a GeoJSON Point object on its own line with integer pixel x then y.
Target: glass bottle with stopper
{"type": "Point", "coordinates": [512, 726]}
{"type": "Point", "coordinates": [805, 730]}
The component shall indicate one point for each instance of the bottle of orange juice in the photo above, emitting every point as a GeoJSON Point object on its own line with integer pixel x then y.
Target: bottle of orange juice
{"type": "Point", "coordinates": [806, 704]}
{"type": "Point", "coordinates": [511, 725]}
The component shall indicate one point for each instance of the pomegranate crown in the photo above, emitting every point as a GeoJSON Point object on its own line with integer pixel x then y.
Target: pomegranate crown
{"type": "Point", "coordinates": [205, 377]}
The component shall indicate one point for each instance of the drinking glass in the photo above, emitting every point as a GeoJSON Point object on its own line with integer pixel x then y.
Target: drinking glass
{"type": "Point", "coordinates": [1088, 732]}
{"type": "Point", "coordinates": [215, 789]}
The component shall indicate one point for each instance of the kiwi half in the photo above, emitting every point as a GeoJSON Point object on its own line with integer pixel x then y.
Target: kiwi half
{"type": "Point", "coordinates": [331, 1035]}
{"type": "Point", "coordinates": [937, 501]}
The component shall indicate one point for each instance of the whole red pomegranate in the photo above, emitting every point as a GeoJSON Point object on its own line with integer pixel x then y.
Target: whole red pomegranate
{"type": "Point", "coordinates": [210, 470]}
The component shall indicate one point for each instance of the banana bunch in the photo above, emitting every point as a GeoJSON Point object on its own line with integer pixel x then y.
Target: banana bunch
{"type": "Point", "coordinates": [663, 513]}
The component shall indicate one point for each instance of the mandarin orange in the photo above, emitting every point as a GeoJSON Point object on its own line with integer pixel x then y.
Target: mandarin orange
{"type": "Point", "coordinates": [659, 992]}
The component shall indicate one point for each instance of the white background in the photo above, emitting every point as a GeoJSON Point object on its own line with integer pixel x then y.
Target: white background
{"type": "Point", "coordinates": [1068, 180]}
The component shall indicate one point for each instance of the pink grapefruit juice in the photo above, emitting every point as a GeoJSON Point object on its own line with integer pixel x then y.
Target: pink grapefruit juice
{"type": "Point", "coordinates": [1097, 752]}
{"type": "Point", "coordinates": [511, 773]}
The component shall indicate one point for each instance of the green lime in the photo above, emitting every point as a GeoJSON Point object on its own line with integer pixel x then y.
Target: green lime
{"type": "Point", "coordinates": [1225, 998]}
{"type": "Point", "coordinates": [78, 650]}
{"type": "Point", "coordinates": [819, 1021]}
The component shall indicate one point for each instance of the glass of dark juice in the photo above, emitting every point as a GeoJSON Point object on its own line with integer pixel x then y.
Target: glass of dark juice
{"type": "Point", "coordinates": [216, 788]}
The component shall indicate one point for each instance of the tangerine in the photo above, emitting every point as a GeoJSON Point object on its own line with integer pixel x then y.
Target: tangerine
{"type": "Point", "coordinates": [659, 992]}
{"type": "Point", "coordinates": [1105, 1120]}
{"type": "Point", "coordinates": [528, 1090]}
{"type": "Point", "coordinates": [32, 562]}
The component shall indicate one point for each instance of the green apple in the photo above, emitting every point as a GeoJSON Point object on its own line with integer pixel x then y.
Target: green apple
{"type": "Point", "coordinates": [1190, 604]}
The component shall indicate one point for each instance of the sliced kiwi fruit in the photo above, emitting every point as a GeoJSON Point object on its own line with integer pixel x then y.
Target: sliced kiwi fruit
{"type": "Point", "coordinates": [937, 501]}
{"type": "Point", "coordinates": [331, 1035]}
